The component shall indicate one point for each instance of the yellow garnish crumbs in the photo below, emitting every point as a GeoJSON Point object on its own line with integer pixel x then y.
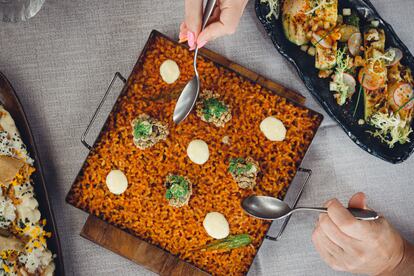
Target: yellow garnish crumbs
{"type": "Point", "coordinates": [6, 268]}
{"type": "Point", "coordinates": [23, 176]}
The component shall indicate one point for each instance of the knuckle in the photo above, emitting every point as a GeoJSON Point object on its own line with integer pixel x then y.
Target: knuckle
{"type": "Point", "coordinates": [347, 224]}
{"type": "Point", "coordinates": [336, 267]}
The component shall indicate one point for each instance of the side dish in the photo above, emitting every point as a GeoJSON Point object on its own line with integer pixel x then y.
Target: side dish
{"type": "Point", "coordinates": [23, 247]}
{"type": "Point", "coordinates": [352, 53]}
{"type": "Point", "coordinates": [148, 131]}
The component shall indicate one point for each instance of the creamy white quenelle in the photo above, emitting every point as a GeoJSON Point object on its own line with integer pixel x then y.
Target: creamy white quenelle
{"type": "Point", "coordinates": [216, 225]}
{"type": "Point", "coordinates": [169, 71]}
{"type": "Point", "coordinates": [198, 152]}
{"type": "Point", "coordinates": [273, 129]}
{"type": "Point", "coordinates": [19, 211]}
{"type": "Point", "coordinates": [116, 182]}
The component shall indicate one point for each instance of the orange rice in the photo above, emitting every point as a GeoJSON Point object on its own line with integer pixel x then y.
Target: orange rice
{"type": "Point", "coordinates": [143, 209]}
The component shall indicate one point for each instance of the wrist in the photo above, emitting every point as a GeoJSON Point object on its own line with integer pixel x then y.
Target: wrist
{"type": "Point", "coordinates": [406, 264]}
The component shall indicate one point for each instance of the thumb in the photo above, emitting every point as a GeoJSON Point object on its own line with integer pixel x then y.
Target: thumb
{"type": "Point", "coordinates": [211, 32]}
{"type": "Point", "coordinates": [193, 15]}
{"type": "Point", "coordinates": [358, 200]}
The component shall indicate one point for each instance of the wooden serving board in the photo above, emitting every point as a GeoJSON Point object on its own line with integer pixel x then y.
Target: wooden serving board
{"type": "Point", "coordinates": [152, 257]}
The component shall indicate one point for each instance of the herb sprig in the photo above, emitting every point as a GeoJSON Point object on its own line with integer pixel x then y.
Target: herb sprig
{"type": "Point", "coordinates": [142, 129]}
{"type": "Point", "coordinates": [239, 166]}
{"type": "Point", "coordinates": [212, 107]}
{"type": "Point", "coordinates": [177, 187]}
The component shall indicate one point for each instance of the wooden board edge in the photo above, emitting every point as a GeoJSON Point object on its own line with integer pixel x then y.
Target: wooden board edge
{"type": "Point", "coordinates": [136, 250]}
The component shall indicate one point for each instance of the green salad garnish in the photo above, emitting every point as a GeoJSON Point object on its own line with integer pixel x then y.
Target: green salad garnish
{"type": "Point", "coordinates": [142, 129]}
{"type": "Point", "coordinates": [353, 20]}
{"type": "Point", "coordinates": [390, 128]}
{"type": "Point", "coordinates": [239, 166]}
{"type": "Point", "coordinates": [212, 107]}
{"type": "Point", "coordinates": [177, 187]}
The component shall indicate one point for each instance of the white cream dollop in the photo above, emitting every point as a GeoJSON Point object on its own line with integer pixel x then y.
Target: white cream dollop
{"type": "Point", "coordinates": [216, 225]}
{"type": "Point", "coordinates": [198, 152]}
{"type": "Point", "coordinates": [169, 71]}
{"type": "Point", "coordinates": [117, 182]}
{"type": "Point", "coordinates": [273, 129]}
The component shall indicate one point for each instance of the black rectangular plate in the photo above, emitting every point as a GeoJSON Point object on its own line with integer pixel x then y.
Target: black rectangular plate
{"type": "Point", "coordinates": [319, 88]}
{"type": "Point", "coordinates": [10, 101]}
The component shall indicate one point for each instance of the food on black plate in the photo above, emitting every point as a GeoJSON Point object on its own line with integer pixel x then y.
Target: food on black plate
{"type": "Point", "coordinates": [352, 53]}
{"type": "Point", "coordinates": [23, 240]}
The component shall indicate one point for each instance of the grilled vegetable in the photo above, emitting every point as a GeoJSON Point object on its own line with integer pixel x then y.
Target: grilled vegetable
{"type": "Point", "coordinates": [401, 93]}
{"type": "Point", "coordinates": [229, 243]}
{"type": "Point", "coordinates": [325, 59]}
{"type": "Point", "coordinates": [295, 19]}
{"type": "Point", "coordinates": [396, 55]}
{"type": "Point", "coordinates": [347, 31]}
{"type": "Point", "coordinates": [354, 43]}
{"type": "Point", "coordinates": [374, 75]}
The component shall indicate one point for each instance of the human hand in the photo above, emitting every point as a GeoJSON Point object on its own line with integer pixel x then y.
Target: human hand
{"type": "Point", "coordinates": [223, 21]}
{"type": "Point", "coordinates": [347, 244]}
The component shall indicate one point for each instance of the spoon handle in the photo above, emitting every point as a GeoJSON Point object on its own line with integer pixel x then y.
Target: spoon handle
{"type": "Point", "coordinates": [207, 12]}
{"type": "Point", "coordinates": [360, 214]}
{"type": "Point", "coordinates": [206, 16]}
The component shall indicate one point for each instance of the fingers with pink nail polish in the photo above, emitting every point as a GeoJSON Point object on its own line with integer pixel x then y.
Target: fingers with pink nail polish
{"type": "Point", "coordinates": [191, 39]}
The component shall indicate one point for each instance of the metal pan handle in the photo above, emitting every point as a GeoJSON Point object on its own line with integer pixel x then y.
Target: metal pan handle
{"type": "Point", "coordinates": [83, 137]}
{"type": "Point", "coordinates": [292, 203]}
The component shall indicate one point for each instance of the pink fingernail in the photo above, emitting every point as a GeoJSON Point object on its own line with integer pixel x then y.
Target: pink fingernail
{"type": "Point", "coordinates": [192, 48]}
{"type": "Point", "coordinates": [191, 39]}
{"type": "Point", "coordinates": [201, 44]}
{"type": "Point", "coordinates": [182, 37]}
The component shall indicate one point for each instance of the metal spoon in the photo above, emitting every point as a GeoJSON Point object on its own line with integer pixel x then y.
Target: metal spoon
{"type": "Point", "coordinates": [189, 95]}
{"type": "Point", "coordinates": [270, 208]}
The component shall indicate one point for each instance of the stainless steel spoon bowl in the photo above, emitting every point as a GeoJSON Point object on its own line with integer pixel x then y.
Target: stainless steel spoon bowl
{"type": "Point", "coordinates": [188, 97]}
{"type": "Point", "coordinates": [270, 208]}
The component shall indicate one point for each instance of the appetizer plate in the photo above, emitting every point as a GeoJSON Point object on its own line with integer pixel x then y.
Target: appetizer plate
{"type": "Point", "coordinates": [319, 88]}
{"type": "Point", "coordinates": [10, 101]}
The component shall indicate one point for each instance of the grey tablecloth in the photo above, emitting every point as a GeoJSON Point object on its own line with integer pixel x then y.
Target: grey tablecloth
{"type": "Point", "coordinates": [61, 61]}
